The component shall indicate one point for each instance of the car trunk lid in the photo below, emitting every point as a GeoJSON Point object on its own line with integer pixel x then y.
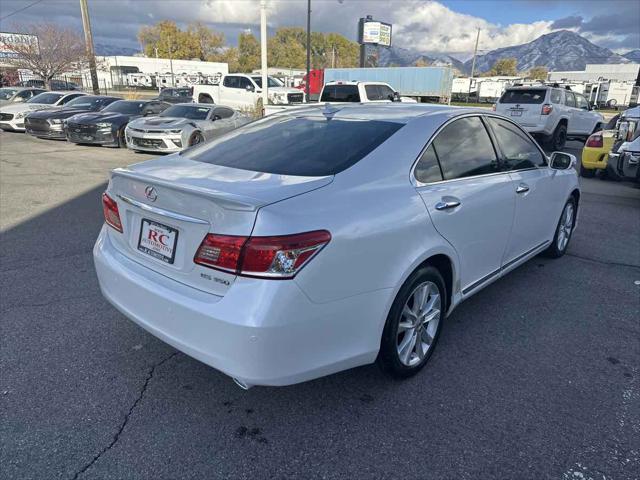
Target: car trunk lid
{"type": "Point", "coordinates": [168, 205]}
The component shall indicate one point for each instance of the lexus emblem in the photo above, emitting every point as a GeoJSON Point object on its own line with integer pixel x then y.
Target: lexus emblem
{"type": "Point", "coordinates": [150, 193]}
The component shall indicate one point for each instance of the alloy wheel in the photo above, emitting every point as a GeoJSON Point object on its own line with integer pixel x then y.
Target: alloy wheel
{"type": "Point", "coordinates": [565, 226]}
{"type": "Point", "coordinates": [418, 324]}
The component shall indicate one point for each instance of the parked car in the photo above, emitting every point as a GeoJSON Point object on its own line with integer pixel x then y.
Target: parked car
{"type": "Point", "coordinates": [106, 127]}
{"type": "Point", "coordinates": [55, 84]}
{"type": "Point", "coordinates": [12, 116]}
{"type": "Point", "coordinates": [293, 248]}
{"type": "Point", "coordinates": [50, 123]}
{"type": "Point", "coordinates": [176, 95]}
{"type": "Point", "coordinates": [9, 95]}
{"type": "Point", "coordinates": [360, 92]}
{"type": "Point", "coordinates": [238, 91]}
{"type": "Point", "coordinates": [624, 158]}
{"type": "Point", "coordinates": [181, 126]}
{"type": "Point", "coordinates": [595, 154]}
{"type": "Point", "coordinates": [552, 114]}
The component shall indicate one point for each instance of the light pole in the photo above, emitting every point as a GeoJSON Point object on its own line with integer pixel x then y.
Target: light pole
{"type": "Point", "coordinates": [88, 40]}
{"type": "Point", "coordinates": [473, 67]}
{"type": "Point", "coordinates": [306, 86]}
{"type": "Point", "coordinates": [263, 52]}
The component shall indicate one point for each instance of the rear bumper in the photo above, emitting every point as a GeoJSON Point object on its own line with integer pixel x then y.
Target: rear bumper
{"type": "Point", "coordinates": [261, 332]}
{"type": "Point", "coordinates": [593, 158]}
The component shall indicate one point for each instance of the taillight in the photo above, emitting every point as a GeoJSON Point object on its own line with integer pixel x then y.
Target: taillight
{"type": "Point", "coordinates": [278, 257]}
{"type": "Point", "coordinates": [594, 141]}
{"type": "Point", "coordinates": [547, 109]}
{"type": "Point", "coordinates": [111, 214]}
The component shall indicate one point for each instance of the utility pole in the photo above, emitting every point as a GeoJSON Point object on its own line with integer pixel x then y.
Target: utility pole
{"type": "Point", "coordinates": [263, 53]}
{"type": "Point", "coordinates": [473, 65]}
{"type": "Point", "coordinates": [88, 40]}
{"type": "Point", "coordinates": [306, 86]}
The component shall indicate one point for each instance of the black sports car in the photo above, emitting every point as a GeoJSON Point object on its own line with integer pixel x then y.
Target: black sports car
{"type": "Point", "coordinates": [107, 126]}
{"type": "Point", "coordinates": [50, 123]}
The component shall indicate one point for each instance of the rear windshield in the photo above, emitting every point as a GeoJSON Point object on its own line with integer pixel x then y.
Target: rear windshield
{"type": "Point", "coordinates": [523, 96]}
{"type": "Point", "coordinates": [340, 93]}
{"type": "Point", "coordinates": [304, 146]}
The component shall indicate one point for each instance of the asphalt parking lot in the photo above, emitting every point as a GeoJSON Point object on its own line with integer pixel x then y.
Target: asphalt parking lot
{"type": "Point", "coordinates": [535, 377]}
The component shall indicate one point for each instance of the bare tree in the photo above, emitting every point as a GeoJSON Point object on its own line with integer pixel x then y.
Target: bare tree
{"type": "Point", "coordinates": [56, 51]}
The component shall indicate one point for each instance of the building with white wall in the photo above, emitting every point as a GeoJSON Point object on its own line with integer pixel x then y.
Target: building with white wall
{"type": "Point", "coordinates": [623, 72]}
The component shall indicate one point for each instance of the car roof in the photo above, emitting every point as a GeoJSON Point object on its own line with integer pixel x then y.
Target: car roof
{"type": "Point", "coordinates": [395, 112]}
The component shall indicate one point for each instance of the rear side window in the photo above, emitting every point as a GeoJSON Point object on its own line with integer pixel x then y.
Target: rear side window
{"type": "Point", "coordinates": [518, 151]}
{"type": "Point", "coordinates": [556, 96]}
{"type": "Point", "coordinates": [340, 93]}
{"type": "Point", "coordinates": [465, 149]}
{"type": "Point", "coordinates": [427, 170]}
{"type": "Point", "coordinates": [524, 96]}
{"type": "Point", "coordinates": [304, 146]}
{"type": "Point", "coordinates": [231, 82]}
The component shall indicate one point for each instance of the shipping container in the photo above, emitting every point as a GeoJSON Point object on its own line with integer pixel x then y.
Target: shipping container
{"type": "Point", "coordinates": [422, 83]}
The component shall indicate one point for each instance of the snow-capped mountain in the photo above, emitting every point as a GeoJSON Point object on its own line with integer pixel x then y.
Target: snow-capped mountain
{"type": "Point", "coordinates": [561, 50]}
{"type": "Point", "coordinates": [633, 55]}
{"type": "Point", "coordinates": [403, 57]}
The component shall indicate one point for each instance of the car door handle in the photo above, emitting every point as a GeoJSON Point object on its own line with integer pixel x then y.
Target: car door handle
{"type": "Point", "coordinates": [522, 188]}
{"type": "Point", "coordinates": [447, 205]}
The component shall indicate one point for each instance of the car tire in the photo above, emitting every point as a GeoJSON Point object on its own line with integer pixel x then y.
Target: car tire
{"type": "Point", "coordinates": [558, 138]}
{"type": "Point", "coordinates": [587, 172]}
{"type": "Point", "coordinates": [564, 230]}
{"type": "Point", "coordinates": [122, 142]}
{"type": "Point", "coordinates": [400, 355]}
{"type": "Point", "coordinates": [195, 139]}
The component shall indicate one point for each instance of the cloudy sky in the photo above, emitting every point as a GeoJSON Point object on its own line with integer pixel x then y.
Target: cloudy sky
{"type": "Point", "coordinates": [446, 26]}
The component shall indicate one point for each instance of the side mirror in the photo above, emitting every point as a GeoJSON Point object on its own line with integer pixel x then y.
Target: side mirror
{"type": "Point", "coordinates": [594, 107]}
{"type": "Point", "coordinates": [250, 88]}
{"type": "Point", "coordinates": [562, 161]}
{"type": "Point", "coordinates": [396, 97]}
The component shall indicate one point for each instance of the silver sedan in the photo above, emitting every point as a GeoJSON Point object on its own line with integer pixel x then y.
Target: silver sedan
{"type": "Point", "coordinates": [181, 126]}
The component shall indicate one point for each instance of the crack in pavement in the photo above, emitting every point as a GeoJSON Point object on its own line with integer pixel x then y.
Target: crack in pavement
{"type": "Point", "coordinates": [116, 437]}
{"type": "Point", "coordinates": [603, 262]}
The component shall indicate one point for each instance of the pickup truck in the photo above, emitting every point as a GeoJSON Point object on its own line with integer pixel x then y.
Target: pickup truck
{"type": "Point", "coordinates": [239, 90]}
{"type": "Point", "coordinates": [360, 92]}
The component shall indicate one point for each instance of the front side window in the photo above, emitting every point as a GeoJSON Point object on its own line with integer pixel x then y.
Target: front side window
{"type": "Point", "coordinates": [223, 113]}
{"type": "Point", "coordinates": [581, 102]}
{"type": "Point", "coordinates": [340, 93]}
{"type": "Point", "coordinates": [427, 169]}
{"type": "Point", "coordinates": [386, 93]}
{"type": "Point", "coordinates": [373, 93]}
{"type": "Point", "coordinates": [570, 99]}
{"type": "Point", "coordinates": [518, 151]}
{"type": "Point", "coordinates": [320, 146]}
{"type": "Point", "coordinates": [244, 82]}
{"type": "Point", "coordinates": [465, 149]}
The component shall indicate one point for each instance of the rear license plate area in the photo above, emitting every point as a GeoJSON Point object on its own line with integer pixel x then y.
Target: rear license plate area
{"type": "Point", "coordinates": [158, 241]}
{"type": "Point", "coordinates": [516, 113]}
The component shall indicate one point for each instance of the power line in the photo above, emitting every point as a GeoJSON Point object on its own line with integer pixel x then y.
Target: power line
{"type": "Point", "coordinates": [22, 9]}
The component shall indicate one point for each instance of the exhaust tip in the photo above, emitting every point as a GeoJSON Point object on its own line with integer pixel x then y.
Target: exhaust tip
{"type": "Point", "coordinates": [241, 384]}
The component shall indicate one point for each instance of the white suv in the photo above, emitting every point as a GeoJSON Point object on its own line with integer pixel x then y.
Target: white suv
{"type": "Point", "coordinates": [554, 114]}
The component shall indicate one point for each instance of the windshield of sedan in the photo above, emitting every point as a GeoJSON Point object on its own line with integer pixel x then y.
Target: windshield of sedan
{"type": "Point", "coordinates": [127, 107]}
{"type": "Point", "coordinates": [47, 98]}
{"type": "Point", "coordinates": [271, 82]}
{"type": "Point", "coordinates": [7, 93]}
{"type": "Point", "coordinates": [304, 146]}
{"type": "Point", "coordinates": [88, 102]}
{"type": "Point", "coordinates": [186, 111]}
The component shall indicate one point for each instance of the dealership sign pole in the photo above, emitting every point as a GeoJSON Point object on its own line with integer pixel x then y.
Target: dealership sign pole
{"type": "Point", "coordinates": [371, 36]}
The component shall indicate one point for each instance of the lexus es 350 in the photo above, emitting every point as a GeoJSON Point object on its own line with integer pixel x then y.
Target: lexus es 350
{"type": "Point", "coordinates": [325, 238]}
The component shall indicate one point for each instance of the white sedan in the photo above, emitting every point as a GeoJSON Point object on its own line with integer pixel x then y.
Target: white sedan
{"type": "Point", "coordinates": [321, 239]}
{"type": "Point", "coordinates": [12, 116]}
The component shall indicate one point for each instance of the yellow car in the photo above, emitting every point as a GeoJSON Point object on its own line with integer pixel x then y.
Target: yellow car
{"type": "Point", "coordinates": [596, 152]}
